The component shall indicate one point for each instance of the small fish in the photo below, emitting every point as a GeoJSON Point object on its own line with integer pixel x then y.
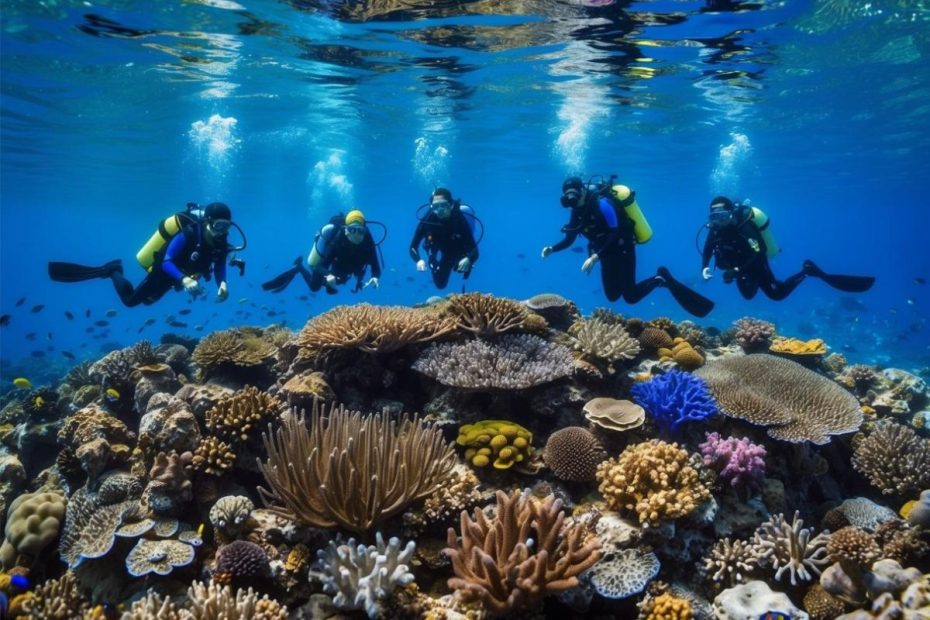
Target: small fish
{"type": "Point", "coordinates": [5, 320]}
{"type": "Point", "coordinates": [200, 529]}
{"type": "Point", "coordinates": [87, 313]}
{"type": "Point", "coordinates": [101, 323]}
{"type": "Point", "coordinates": [148, 322]}
{"type": "Point", "coordinates": [919, 280]}
{"type": "Point", "coordinates": [37, 308]}
{"type": "Point", "coordinates": [69, 315]}
{"type": "Point", "coordinates": [19, 581]}
{"type": "Point", "coordinates": [184, 311]}
{"type": "Point", "coordinates": [68, 354]}
{"type": "Point", "coordinates": [303, 298]}
{"type": "Point", "coordinates": [112, 394]}
{"type": "Point", "coordinates": [177, 324]}
{"type": "Point", "coordinates": [111, 313]}
{"type": "Point", "coordinates": [774, 615]}
{"type": "Point", "coordinates": [89, 329]}
{"type": "Point", "coordinates": [243, 300]}
{"type": "Point", "coordinates": [198, 328]}
{"type": "Point", "coordinates": [20, 301]}
{"type": "Point", "coordinates": [911, 301]}
{"type": "Point", "coordinates": [22, 382]}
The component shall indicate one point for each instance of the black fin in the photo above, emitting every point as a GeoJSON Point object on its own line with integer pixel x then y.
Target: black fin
{"type": "Point", "coordinates": [72, 272]}
{"type": "Point", "coordinates": [848, 284]}
{"type": "Point", "coordinates": [692, 301]}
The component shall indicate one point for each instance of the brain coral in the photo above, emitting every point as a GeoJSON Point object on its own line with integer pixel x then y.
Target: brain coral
{"type": "Point", "coordinates": [894, 459]}
{"type": "Point", "coordinates": [33, 521]}
{"type": "Point", "coordinates": [654, 479]}
{"type": "Point", "coordinates": [573, 453]}
{"type": "Point", "coordinates": [796, 404]}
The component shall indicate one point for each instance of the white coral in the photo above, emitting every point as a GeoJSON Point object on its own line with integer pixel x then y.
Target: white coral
{"type": "Point", "coordinates": [790, 548]}
{"type": "Point", "coordinates": [361, 576]}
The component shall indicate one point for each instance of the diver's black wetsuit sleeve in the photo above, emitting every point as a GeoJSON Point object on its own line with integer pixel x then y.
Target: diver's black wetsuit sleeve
{"type": "Point", "coordinates": [571, 232]}
{"type": "Point", "coordinates": [418, 237]}
{"type": "Point", "coordinates": [219, 268]}
{"type": "Point", "coordinates": [708, 252]}
{"type": "Point", "coordinates": [373, 261]}
{"type": "Point", "coordinates": [470, 249]}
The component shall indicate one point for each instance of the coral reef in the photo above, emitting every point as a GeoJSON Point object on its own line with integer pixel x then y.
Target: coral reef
{"type": "Point", "coordinates": [558, 311]}
{"type": "Point", "coordinates": [894, 459]}
{"type": "Point", "coordinates": [511, 362]}
{"type": "Point", "coordinates": [737, 461]}
{"type": "Point", "coordinates": [361, 576]}
{"type": "Point", "coordinates": [608, 342]}
{"type": "Point", "coordinates": [785, 547]}
{"type": "Point", "coordinates": [683, 354]}
{"type": "Point", "coordinates": [232, 347]}
{"type": "Point", "coordinates": [239, 417]}
{"type": "Point", "coordinates": [498, 442]}
{"type": "Point", "coordinates": [486, 316]}
{"type": "Point", "coordinates": [623, 573]}
{"type": "Point", "coordinates": [674, 398]}
{"type": "Point", "coordinates": [351, 470]}
{"type": "Point", "coordinates": [573, 453]}
{"type": "Point", "coordinates": [753, 334]}
{"type": "Point", "coordinates": [794, 404]}
{"type": "Point", "coordinates": [614, 415]}
{"type": "Point", "coordinates": [654, 479]}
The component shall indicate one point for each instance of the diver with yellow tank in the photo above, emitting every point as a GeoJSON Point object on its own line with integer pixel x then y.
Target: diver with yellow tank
{"type": "Point", "coordinates": [741, 243]}
{"type": "Point", "coordinates": [187, 246]}
{"type": "Point", "coordinates": [608, 216]}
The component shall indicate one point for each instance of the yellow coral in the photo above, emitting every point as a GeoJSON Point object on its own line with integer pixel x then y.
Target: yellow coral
{"type": "Point", "coordinates": [654, 479]}
{"type": "Point", "coordinates": [793, 346]}
{"type": "Point", "coordinates": [666, 607]}
{"type": "Point", "coordinates": [907, 508]}
{"type": "Point", "coordinates": [510, 443]}
{"type": "Point", "coordinates": [297, 558]}
{"type": "Point", "coordinates": [686, 356]}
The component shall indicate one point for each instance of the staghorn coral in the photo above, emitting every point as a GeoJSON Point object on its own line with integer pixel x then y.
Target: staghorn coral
{"type": "Point", "coordinates": [241, 561]}
{"type": "Point", "coordinates": [213, 456]}
{"type": "Point", "coordinates": [613, 414]}
{"type": "Point", "coordinates": [609, 342]}
{"type": "Point", "coordinates": [674, 398]}
{"type": "Point", "coordinates": [785, 547]}
{"type": "Point", "coordinates": [486, 315]}
{"type": "Point", "coordinates": [158, 556]}
{"type": "Point", "coordinates": [238, 418]}
{"type": "Point", "coordinates": [509, 563]}
{"type": "Point", "coordinates": [56, 599]}
{"type": "Point", "coordinates": [753, 334]}
{"type": "Point", "coordinates": [623, 573]}
{"type": "Point", "coordinates": [232, 347]}
{"type": "Point", "coordinates": [230, 515]}
{"type": "Point", "coordinates": [361, 576]}
{"type": "Point", "coordinates": [799, 348]}
{"type": "Point", "coordinates": [573, 453]}
{"type": "Point", "coordinates": [32, 523]}
{"type": "Point", "coordinates": [372, 329]}
{"type": "Point", "coordinates": [351, 470]}
{"type": "Point", "coordinates": [794, 403]}
{"type": "Point", "coordinates": [511, 362]}
{"type": "Point", "coordinates": [730, 562]}
{"type": "Point", "coordinates": [665, 607]}
{"type": "Point", "coordinates": [654, 479]}
{"type": "Point", "coordinates": [894, 459]}
{"type": "Point", "coordinates": [508, 442]}
{"type": "Point", "coordinates": [853, 547]}
{"type": "Point", "coordinates": [821, 605]}
{"type": "Point", "coordinates": [737, 461]}
{"type": "Point", "coordinates": [216, 602]}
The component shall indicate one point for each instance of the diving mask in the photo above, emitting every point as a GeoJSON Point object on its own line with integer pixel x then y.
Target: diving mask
{"type": "Point", "coordinates": [442, 208]}
{"type": "Point", "coordinates": [720, 218]}
{"type": "Point", "coordinates": [570, 198]}
{"type": "Point", "coordinates": [218, 228]}
{"type": "Point", "coordinates": [355, 233]}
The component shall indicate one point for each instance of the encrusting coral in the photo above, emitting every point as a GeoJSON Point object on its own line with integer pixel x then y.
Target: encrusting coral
{"type": "Point", "coordinates": [361, 576]}
{"type": "Point", "coordinates": [498, 442]}
{"type": "Point", "coordinates": [653, 479]}
{"type": "Point", "coordinates": [794, 404]}
{"type": "Point", "coordinates": [894, 459]}
{"type": "Point", "coordinates": [513, 560]}
{"type": "Point", "coordinates": [352, 470]}
{"type": "Point", "coordinates": [510, 362]}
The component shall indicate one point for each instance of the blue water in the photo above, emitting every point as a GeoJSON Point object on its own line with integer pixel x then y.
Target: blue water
{"type": "Point", "coordinates": [116, 114]}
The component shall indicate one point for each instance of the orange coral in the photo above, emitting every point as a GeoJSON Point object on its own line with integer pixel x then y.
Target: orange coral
{"type": "Point", "coordinates": [793, 346]}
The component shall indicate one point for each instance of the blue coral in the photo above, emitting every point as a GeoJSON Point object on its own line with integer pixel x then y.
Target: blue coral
{"type": "Point", "coordinates": [675, 397]}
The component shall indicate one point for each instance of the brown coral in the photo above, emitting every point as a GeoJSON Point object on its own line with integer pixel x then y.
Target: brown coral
{"type": "Point", "coordinates": [486, 315]}
{"type": "Point", "coordinates": [654, 479]}
{"type": "Point", "coordinates": [573, 453]}
{"type": "Point", "coordinates": [56, 599]}
{"type": "Point", "coordinates": [497, 564]}
{"type": "Point", "coordinates": [796, 404]}
{"type": "Point", "coordinates": [558, 311]}
{"type": "Point", "coordinates": [665, 607]}
{"type": "Point", "coordinates": [239, 417]}
{"type": "Point", "coordinates": [821, 605]}
{"type": "Point", "coordinates": [213, 456]}
{"type": "Point", "coordinates": [352, 470]}
{"type": "Point", "coordinates": [894, 459]}
{"type": "Point", "coordinates": [604, 341]}
{"type": "Point", "coordinates": [853, 547]}
{"type": "Point", "coordinates": [613, 414]}
{"type": "Point", "coordinates": [655, 338]}
{"type": "Point", "coordinates": [753, 334]}
{"type": "Point", "coordinates": [236, 347]}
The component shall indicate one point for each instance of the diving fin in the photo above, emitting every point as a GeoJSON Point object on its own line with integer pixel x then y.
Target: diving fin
{"type": "Point", "coordinates": [72, 272]}
{"type": "Point", "coordinates": [848, 284]}
{"type": "Point", "coordinates": [692, 301]}
{"type": "Point", "coordinates": [279, 283]}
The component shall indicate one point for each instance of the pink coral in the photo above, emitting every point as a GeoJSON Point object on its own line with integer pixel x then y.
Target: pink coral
{"type": "Point", "coordinates": [736, 460]}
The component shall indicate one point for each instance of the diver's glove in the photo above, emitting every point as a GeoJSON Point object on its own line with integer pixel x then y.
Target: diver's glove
{"type": "Point", "coordinates": [588, 265]}
{"type": "Point", "coordinates": [546, 251]}
{"type": "Point", "coordinates": [330, 280]}
{"type": "Point", "coordinates": [192, 286]}
{"type": "Point", "coordinates": [706, 274]}
{"type": "Point", "coordinates": [222, 293]}
{"type": "Point", "coordinates": [373, 282]}
{"type": "Point", "coordinates": [464, 265]}
{"type": "Point", "coordinates": [421, 265]}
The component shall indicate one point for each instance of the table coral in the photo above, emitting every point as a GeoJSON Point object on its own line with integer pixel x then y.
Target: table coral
{"type": "Point", "coordinates": [654, 479]}
{"type": "Point", "coordinates": [498, 442]}
{"type": "Point", "coordinates": [793, 346]}
{"type": "Point", "coordinates": [486, 315]}
{"type": "Point", "coordinates": [674, 398]}
{"type": "Point", "coordinates": [614, 414]}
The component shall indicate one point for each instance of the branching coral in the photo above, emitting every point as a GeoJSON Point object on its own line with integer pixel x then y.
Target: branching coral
{"type": "Point", "coordinates": [235, 347]}
{"type": "Point", "coordinates": [511, 362]}
{"type": "Point", "coordinates": [361, 576]}
{"type": "Point", "coordinates": [485, 315]}
{"type": "Point", "coordinates": [215, 602]}
{"type": "Point", "coordinates": [56, 599]}
{"type": "Point", "coordinates": [609, 342]}
{"type": "Point", "coordinates": [894, 459]}
{"type": "Point", "coordinates": [785, 547]}
{"type": "Point", "coordinates": [674, 398]}
{"type": "Point", "coordinates": [510, 562]}
{"type": "Point", "coordinates": [213, 456]}
{"type": "Point", "coordinates": [352, 470]}
{"type": "Point", "coordinates": [736, 460]}
{"type": "Point", "coordinates": [239, 417]}
{"type": "Point", "coordinates": [665, 607]}
{"type": "Point", "coordinates": [796, 404]}
{"type": "Point", "coordinates": [855, 549]}
{"type": "Point", "coordinates": [372, 329]}
{"type": "Point", "coordinates": [654, 479]}
{"type": "Point", "coordinates": [730, 562]}
{"type": "Point", "coordinates": [753, 334]}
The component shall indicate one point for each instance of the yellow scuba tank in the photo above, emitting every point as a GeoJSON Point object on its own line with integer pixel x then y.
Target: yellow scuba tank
{"type": "Point", "coordinates": [627, 200]}
{"type": "Point", "coordinates": [166, 230]}
{"type": "Point", "coordinates": [761, 221]}
{"type": "Point", "coordinates": [314, 259]}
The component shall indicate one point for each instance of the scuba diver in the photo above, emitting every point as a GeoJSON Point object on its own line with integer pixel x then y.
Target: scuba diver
{"type": "Point", "coordinates": [612, 222]}
{"type": "Point", "coordinates": [341, 249]}
{"type": "Point", "coordinates": [741, 244]}
{"type": "Point", "coordinates": [187, 246]}
{"type": "Point", "coordinates": [447, 233]}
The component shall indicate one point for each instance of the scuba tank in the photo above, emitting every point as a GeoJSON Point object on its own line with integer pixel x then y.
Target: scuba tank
{"type": "Point", "coordinates": [761, 221]}
{"type": "Point", "coordinates": [625, 198]}
{"type": "Point", "coordinates": [167, 229]}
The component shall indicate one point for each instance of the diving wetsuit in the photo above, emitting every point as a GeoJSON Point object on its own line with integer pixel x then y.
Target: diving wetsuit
{"type": "Point", "coordinates": [446, 241]}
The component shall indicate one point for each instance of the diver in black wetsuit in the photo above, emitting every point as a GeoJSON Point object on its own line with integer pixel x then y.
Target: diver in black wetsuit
{"type": "Point", "coordinates": [448, 236]}
{"type": "Point", "coordinates": [601, 215]}
{"type": "Point", "coordinates": [741, 244]}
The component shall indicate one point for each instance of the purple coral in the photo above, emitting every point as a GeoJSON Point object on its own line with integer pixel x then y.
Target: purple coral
{"type": "Point", "coordinates": [736, 459]}
{"type": "Point", "coordinates": [675, 397]}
